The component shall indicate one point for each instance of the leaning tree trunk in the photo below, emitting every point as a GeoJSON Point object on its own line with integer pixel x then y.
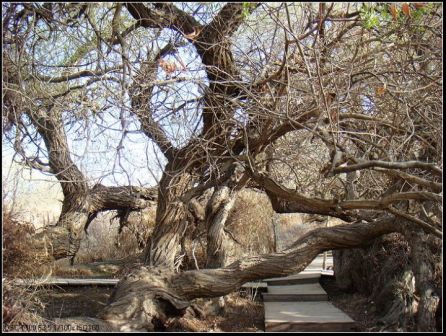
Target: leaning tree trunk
{"type": "Point", "coordinates": [81, 203]}
{"type": "Point", "coordinates": [148, 297]}
{"type": "Point", "coordinates": [65, 237]}
{"type": "Point", "coordinates": [217, 212]}
{"type": "Point", "coordinates": [74, 217]}
{"type": "Point", "coordinates": [80, 207]}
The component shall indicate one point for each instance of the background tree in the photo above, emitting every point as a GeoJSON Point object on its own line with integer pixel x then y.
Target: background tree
{"type": "Point", "coordinates": [225, 92]}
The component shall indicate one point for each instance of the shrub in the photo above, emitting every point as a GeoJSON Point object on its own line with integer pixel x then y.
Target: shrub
{"type": "Point", "coordinates": [20, 255]}
{"type": "Point", "coordinates": [21, 305]}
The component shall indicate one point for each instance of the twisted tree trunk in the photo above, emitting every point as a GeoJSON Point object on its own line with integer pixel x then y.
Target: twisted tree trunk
{"type": "Point", "coordinates": [146, 298]}
{"type": "Point", "coordinates": [164, 244]}
{"type": "Point", "coordinates": [218, 210]}
{"type": "Point", "coordinates": [64, 239]}
{"type": "Point", "coordinates": [424, 269]}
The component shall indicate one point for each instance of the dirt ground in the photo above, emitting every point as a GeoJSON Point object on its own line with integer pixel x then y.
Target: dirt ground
{"type": "Point", "coordinates": [74, 301]}
{"type": "Point", "coordinates": [240, 313]}
{"type": "Point", "coordinates": [355, 305]}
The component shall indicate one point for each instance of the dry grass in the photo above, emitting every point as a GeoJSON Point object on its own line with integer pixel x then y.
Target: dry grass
{"type": "Point", "coordinates": [103, 242]}
{"type": "Point", "coordinates": [239, 314]}
{"type": "Point", "coordinates": [75, 301]}
{"type": "Point", "coordinates": [37, 196]}
{"type": "Point", "coordinates": [71, 272]}
{"type": "Point", "coordinates": [21, 305]}
{"type": "Point", "coordinates": [250, 221]}
{"type": "Point", "coordinates": [21, 258]}
{"type": "Point", "coordinates": [100, 242]}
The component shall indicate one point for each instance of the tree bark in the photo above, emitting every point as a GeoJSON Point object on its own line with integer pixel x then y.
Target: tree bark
{"type": "Point", "coordinates": [400, 301]}
{"type": "Point", "coordinates": [218, 209]}
{"type": "Point", "coordinates": [407, 288]}
{"type": "Point", "coordinates": [164, 243]}
{"type": "Point", "coordinates": [424, 269]}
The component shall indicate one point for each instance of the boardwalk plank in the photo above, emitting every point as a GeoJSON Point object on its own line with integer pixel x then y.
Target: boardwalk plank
{"type": "Point", "coordinates": [301, 292]}
{"type": "Point", "coordinates": [294, 297]}
{"type": "Point", "coordinates": [301, 278]}
{"type": "Point", "coordinates": [311, 288]}
{"type": "Point", "coordinates": [305, 316]}
{"type": "Point", "coordinates": [100, 282]}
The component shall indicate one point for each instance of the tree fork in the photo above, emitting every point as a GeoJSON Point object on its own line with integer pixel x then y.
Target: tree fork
{"type": "Point", "coordinates": [78, 210]}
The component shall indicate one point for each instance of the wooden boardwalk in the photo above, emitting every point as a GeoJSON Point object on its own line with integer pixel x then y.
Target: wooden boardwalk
{"type": "Point", "coordinates": [293, 303]}
{"type": "Point", "coordinates": [67, 282]}
{"type": "Point", "coordinates": [299, 303]}
{"type": "Point", "coordinates": [305, 316]}
{"type": "Point", "coordinates": [63, 282]}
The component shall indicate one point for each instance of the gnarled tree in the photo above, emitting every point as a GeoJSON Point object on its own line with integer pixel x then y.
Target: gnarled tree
{"type": "Point", "coordinates": [254, 86]}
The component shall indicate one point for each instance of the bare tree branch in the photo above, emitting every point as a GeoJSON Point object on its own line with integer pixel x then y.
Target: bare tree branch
{"type": "Point", "coordinates": [77, 75]}
{"type": "Point", "coordinates": [390, 165]}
